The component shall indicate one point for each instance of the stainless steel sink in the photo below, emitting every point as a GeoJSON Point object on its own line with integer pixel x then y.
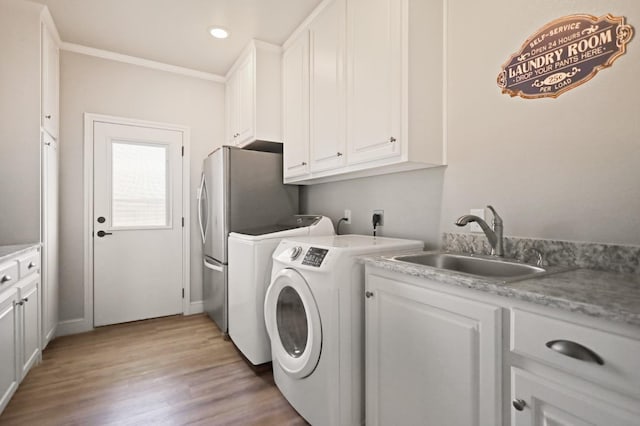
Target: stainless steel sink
{"type": "Point", "coordinates": [479, 266]}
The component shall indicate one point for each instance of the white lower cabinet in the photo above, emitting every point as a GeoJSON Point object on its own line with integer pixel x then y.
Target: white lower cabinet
{"type": "Point", "coordinates": [564, 372]}
{"type": "Point", "coordinates": [19, 321]}
{"type": "Point", "coordinates": [438, 354]}
{"type": "Point", "coordinates": [431, 358]}
{"type": "Point", "coordinates": [29, 319]}
{"type": "Point", "coordinates": [538, 401]}
{"type": "Point", "coordinates": [9, 377]}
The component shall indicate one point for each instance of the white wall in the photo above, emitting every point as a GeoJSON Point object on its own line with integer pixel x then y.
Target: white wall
{"type": "Point", "coordinates": [565, 168]}
{"type": "Point", "coordinates": [411, 202]}
{"type": "Point", "coordinates": [90, 84]}
{"type": "Point", "coordinates": [19, 122]}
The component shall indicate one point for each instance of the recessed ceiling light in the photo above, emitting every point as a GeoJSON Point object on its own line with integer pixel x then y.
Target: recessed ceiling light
{"type": "Point", "coordinates": [218, 32]}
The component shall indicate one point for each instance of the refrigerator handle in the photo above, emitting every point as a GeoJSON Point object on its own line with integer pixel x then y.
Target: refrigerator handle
{"type": "Point", "coordinates": [200, 191]}
{"type": "Point", "coordinates": [211, 266]}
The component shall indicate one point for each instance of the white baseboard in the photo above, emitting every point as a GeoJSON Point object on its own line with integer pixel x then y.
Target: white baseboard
{"type": "Point", "coordinates": [80, 325]}
{"type": "Point", "coordinates": [73, 326]}
{"type": "Point", "coordinates": [196, 307]}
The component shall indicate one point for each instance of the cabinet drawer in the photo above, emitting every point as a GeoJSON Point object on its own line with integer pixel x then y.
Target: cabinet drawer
{"type": "Point", "coordinates": [29, 263]}
{"type": "Point", "coordinates": [605, 358]}
{"type": "Point", "coordinates": [8, 274]}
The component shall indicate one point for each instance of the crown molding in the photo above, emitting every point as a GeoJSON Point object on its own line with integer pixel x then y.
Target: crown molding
{"type": "Point", "coordinates": [134, 60]}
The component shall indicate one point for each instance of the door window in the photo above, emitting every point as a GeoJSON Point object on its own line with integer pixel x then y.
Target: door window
{"type": "Point", "coordinates": [291, 319]}
{"type": "Point", "coordinates": [140, 190]}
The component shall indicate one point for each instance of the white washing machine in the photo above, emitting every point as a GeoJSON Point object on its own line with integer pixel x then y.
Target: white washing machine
{"type": "Point", "coordinates": [314, 313]}
{"type": "Point", "coordinates": [250, 274]}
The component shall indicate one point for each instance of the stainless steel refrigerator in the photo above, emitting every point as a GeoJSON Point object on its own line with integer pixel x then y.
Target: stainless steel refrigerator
{"type": "Point", "coordinates": [240, 189]}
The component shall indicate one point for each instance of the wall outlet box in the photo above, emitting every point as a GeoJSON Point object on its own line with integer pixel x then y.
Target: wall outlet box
{"type": "Point", "coordinates": [473, 226]}
{"type": "Point", "coordinates": [347, 216]}
{"type": "Point", "coordinates": [381, 213]}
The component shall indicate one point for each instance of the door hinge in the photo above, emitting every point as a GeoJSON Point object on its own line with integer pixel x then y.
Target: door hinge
{"type": "Point", "coordinates": [183, 293]}
{"type": "Point", "coordinates": [183, 221]}
{"type": "Point", "coordinates": [183, 151]}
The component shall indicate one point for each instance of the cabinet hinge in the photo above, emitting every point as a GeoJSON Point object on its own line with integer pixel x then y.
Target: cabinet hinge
{"type": "Point", "coordinates": [183, 151]}
{"type": "Point", "coordinates": [183, 221]}
{"type": "Point", "coordinates": [183, 293]}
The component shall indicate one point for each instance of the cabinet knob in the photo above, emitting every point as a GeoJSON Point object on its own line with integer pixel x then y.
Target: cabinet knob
{"type": "Point", "coordinates": [339, 154]}
{"type": "Point", "coordinates": [392, 139]}
{"type": "Point", "coordinates": [31, 265]}
{"type": "Point", "coordinates": [20, 303]}
{"type": "Point", "coordinates": [48, 116]}
{"type": "Point", "coordinates": [304, 163]}
{"type": "Point", "coordinates": [368, 294]}
{"type": "Point", "coordinates": [235, 135]}
{"type": "Point", "coordinates": [25, 300]}
{"type": "Point", "coordinates": [5, 279]}
{"type": "Point", "coordinates": [519, 404]}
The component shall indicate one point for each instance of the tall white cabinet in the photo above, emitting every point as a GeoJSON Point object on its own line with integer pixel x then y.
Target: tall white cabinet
{"type": "Point", "coordinates": [30, 133]}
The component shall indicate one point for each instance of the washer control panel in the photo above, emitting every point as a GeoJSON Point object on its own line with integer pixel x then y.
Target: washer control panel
{"type": "Point", "coordinates": [314, 256]}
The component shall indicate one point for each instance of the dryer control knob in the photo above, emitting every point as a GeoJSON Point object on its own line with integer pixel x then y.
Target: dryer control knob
{"type": "Point", "coordinates": [295, 252]}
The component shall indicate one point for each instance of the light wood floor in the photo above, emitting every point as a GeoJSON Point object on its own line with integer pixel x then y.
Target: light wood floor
{"type": "Point", "coordinates": [167, 371]}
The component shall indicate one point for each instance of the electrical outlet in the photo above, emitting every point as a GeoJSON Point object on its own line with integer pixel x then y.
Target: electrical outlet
{"type": "Point", "coordinates": [347, 216]}
{"type": "Point", "coordinates": [473, 226]}
{"type": "Point", "coordinates": [381, 213]}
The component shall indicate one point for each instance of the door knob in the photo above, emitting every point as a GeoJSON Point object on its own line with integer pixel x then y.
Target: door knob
{"type": "Point", "coordinates": [368, 294]}
{"type": "Point", "coordinates": [102, 233]}
{"type": "Point", "coordinates": [101, 219]}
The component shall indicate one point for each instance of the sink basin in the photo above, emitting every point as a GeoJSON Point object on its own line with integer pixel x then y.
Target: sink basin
{"type": "Point", "coordinates": [479, 266]}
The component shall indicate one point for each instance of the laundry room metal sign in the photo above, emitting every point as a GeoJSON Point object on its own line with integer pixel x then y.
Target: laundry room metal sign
{"type": "Point", "coordinates": [564, 54]}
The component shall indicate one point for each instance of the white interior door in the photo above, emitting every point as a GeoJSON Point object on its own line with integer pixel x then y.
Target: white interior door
{"type": "Point", "coordinates": [137, 223]}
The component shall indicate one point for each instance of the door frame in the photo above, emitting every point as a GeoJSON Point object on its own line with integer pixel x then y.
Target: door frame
{"type": "Point", "coordinates": [89, 120]}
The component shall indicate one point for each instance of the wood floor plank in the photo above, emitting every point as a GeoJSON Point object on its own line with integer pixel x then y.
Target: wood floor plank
{"type": "Point", "coordinates": [166, 371]}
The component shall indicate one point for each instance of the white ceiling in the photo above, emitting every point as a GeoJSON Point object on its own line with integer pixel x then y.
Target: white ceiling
{"type": "Point", "coordinates": [175, 32]}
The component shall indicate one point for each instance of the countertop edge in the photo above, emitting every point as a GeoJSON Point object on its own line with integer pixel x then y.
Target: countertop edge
{"type": "Point", "coordinates": [14, 250]}
{"type": "Point", "coordinates": [510, 289]}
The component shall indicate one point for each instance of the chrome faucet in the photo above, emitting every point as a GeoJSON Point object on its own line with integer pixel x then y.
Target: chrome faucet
{"type": "Point", "coordinates": [493, 235]}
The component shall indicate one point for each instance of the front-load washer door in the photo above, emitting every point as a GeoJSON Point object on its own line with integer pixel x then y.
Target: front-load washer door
{"type": "Point", "coordinates": [293, 323]}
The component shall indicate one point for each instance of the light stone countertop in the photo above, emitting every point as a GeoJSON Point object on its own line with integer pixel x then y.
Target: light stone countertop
{"type": "Point", "coordinates": [7, 252]}
{"type": "Point", "coordinates": [607, 295]}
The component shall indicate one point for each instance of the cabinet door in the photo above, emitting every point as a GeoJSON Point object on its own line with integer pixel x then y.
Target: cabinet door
{"type": "Point", "coordinates": [541, 402]}
{"type": "Point", "coordinates": [327, 85]}
{"type": "Point", "coordinates": [295, 70]}
{"type": "Point", "coordinates": [245, 95]}
{"type": "Point", "coordinates": [375, 62]}
{"type": "Point", "coordinates": [50, 83]}
{"type": "Point", "coordinates": [431, 358]}
{"type": "Point", "coordinates": [30, 323]}
{"type": "Point", "coordinates": [9, 377]}
{"type": "Point", "coordinates": [231, 108]}
{"type": "Point", "coordinates": [49, 288]}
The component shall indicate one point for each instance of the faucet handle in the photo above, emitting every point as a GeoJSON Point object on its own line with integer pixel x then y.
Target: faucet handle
{"type": "Point", "coordinates": [496, 217]}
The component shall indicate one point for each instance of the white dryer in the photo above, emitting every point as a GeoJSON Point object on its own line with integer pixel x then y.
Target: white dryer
{"type": "Point", "coordinates": [314, 313]}
{"type": "Point", "coordinates": [249, 276]}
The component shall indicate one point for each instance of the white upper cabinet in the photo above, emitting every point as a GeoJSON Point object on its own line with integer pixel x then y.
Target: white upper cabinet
{"type": "Point", "coordinates": [295, 72]}
{"type": "Point", "coordinates": [50, 83]}
{"type": "Point", "coordinates": [374, 79]}
{"type": "Point", "coordinates": [253, 96]}
{"type": "Point", "coordinates": [327, 88]}
{"type": "Point", "coordinates": [371, 110]}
